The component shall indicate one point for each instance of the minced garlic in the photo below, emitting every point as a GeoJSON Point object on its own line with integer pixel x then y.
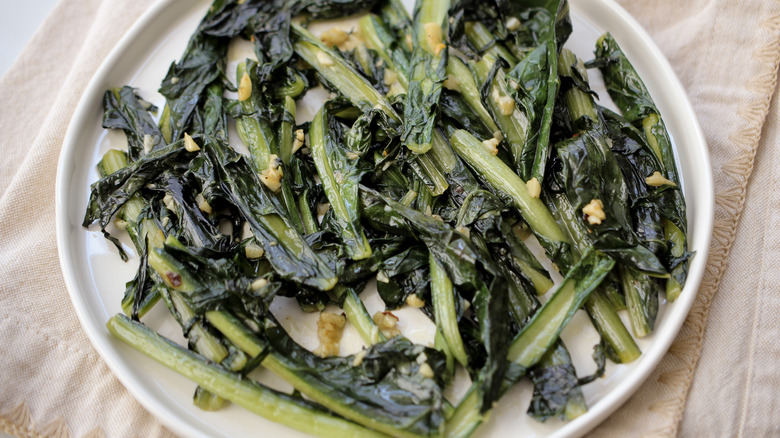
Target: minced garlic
{"type": "Point", "coordinates": [190, 144]}
{"type": "Point", "coordinates": [272, 176]}
{"type": "Point", "coordinates": [534, 188]}
{"type": "Point", "coordinates": [415, 301]}
{"type": "Point", "coordinates": [203, 204]}
{"type": "Point", "coordinates": [298, 141]}
{"type": "Point", "coordinates": [244, 88]}
{"type": "Point", "coordinates": [330, 327]}
{"type": "Point", "coordinates": [594, 212]}
{"type": "Point", "coordinates": [334, 36]}
{"type": "Point", "coordinates": [505, 104]}
{"type": "Point", "coordinates": [253, 251]}
{"type": "Point", "coordinates": [512, 24]}
{"type": "Point", "coordinates": [259, 283]}
{"type": "Point", "coordinates": [387, 323]}
{"type": "Point", "coordinates": [491, 145]}
{"type": "Point", "coordinates": [426, 370]}
{"type": "Point", "coordinates": [657, 180]}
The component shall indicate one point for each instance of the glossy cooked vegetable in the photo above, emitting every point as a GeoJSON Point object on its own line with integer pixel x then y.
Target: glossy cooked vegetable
{"type": "Point", "coordinates": [449, 137]}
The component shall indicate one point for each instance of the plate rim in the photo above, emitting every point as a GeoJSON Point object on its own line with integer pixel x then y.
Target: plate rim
{"type": "Point", "coordinates": [107, 347]}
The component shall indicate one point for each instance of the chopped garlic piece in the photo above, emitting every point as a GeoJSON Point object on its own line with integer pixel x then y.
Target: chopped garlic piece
{"type": "Point", "coordinates": [498, 135]}
{"type": "Point", "coordinates": [298, 141]}
{"type": "Point", "coordinates": [272, 176]}
{"type": "Point", "coordinates": [463, 230]}
{"type": "Point", "coordinates": [439, 47]}
{"type": "Point", "coordinates": [190, 144]}
{"type": "Point", "coordinates": [491, 145]}
{"type": "Point", "coordinates": [594, 212]}
{"type": "Point", "coordinates": [324, 59]}
{"type": "Point", "coordinates": [253, 251]}
{"type": "Point", "coordinates": [657, 180]}
{"type": "Point", "coordinates": [330, 327]}
{"type": "Point", "coordinates": [334, 36]}
{"type": "Point", "coordinates": [426, 370]}
{"type": "Point", "coordinates": [174, 80]}
{"type": "Point", "coordinates": [203, 204]}
{"type": "Point", "coordinates": [259, 283]}
{"type": "Point", "coordinates": [534, 188]}
{"type": "Point", "coordinates": [433, 35]}
{"type": "Point", "coordinates": [169, 203]}
{"type": "Point", "coordinates": [387, 322]}
{"type": "Point", "coordinates": [506, 105]}
{"type": "Point", "coordinates": [414, 301]}
{"type": "Point", "coordinates": [409, 42]}
{"type": "Point", "coordinates": [245, 88]}
{"type": "Point", "coordinates": [381, 276]}
{"type": "Point", "coordinates": [512, 24]}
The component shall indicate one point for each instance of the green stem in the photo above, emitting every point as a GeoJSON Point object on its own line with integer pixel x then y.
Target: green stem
{"type": "Point", "coordinates": [250, 395]}
{"type": "Point", "coordinates": [503, 179]}
{"type": "Point", "coordinates": [443, 296]}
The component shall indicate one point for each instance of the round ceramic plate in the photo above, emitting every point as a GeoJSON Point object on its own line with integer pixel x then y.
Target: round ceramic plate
{"type": "Point", "coordinates": [95, 275]}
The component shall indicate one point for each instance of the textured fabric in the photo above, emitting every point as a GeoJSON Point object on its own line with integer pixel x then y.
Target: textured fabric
{"type": "Point", "coordinates": [720, 377]}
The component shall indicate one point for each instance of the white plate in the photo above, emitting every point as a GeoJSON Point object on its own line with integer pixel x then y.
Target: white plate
{"type": "Point", "coordinates": [95, 275]}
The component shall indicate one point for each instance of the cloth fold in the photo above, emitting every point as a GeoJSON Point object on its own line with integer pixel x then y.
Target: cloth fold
{"type": "Point", "coordinates": [726, 55]}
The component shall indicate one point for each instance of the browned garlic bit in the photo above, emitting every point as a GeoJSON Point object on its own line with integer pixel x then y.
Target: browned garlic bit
{"type": "Point", "coordinates": [657, 180]}
{"type": "Point", "coordinates": [534, 188]}
{"type": "Point", "coordinates": [415, 301]}
{"type": "Point", "coordinates": [594, 212]}
{"type": "Point", "coordinates": [387, 322]}
{"type": "Point", "coordinates": [244, 88]}
{"type": "Point", "coordinates": [190, 144]}
{"type": "Point", "coordinates": [330, 327]}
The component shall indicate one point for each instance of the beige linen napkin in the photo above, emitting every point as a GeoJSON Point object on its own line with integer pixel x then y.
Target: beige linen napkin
{"type": "Point", "coordinates": [726, 54]}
